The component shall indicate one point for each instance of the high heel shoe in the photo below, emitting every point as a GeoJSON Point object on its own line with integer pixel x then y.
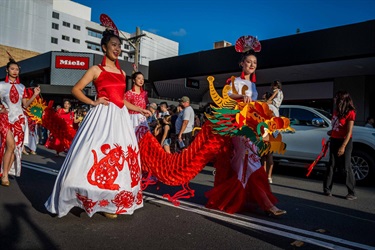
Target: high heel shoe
{"type": "Point", "coordinates": [276, 213]}
{"type": "Point", "coordinates": [110, 216]}
{"type": "Point", "coordinates": [5, 183]}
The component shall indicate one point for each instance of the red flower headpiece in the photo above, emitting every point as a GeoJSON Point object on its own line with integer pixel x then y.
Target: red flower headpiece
{"type": "Point", "coordinates": [246, 43]}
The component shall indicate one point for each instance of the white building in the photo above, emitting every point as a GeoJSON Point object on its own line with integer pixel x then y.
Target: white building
{"type": "Point", "coordinates": [63, 25]}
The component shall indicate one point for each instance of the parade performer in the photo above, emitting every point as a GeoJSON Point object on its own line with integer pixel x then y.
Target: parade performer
{"type": "Point", "coordinates": [34, 119]}
{"type": "Point", "coordinates": [102, 171]}
{"type": "Point", "coordinates": [246, 181]}
{"type": "Point", "coordinates": [238, 132]}
{"type": "Point", "coordinates": [12, 121]}
{"type": "Point", "coordinates": [138, 96]}
{"type": "Point", "coordinates": [62, 130]}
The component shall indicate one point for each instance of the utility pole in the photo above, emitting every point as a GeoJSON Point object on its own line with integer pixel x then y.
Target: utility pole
{"type": "Point", "coordinates": [135, 42]}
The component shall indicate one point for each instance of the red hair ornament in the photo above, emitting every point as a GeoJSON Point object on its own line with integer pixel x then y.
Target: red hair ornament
{"type": "Point", "coordinates": [107, 22]}
{"type": "Point", "coordinates": [246, 43]}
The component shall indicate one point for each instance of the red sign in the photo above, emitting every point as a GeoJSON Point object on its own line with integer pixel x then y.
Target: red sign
{"type": "Point", "coordinates": [72, 62]}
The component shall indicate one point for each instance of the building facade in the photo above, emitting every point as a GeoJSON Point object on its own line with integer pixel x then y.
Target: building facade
{"type": "Point", "coordinates": [40, 26]}
{"type": "Point", "coordinates": [312, 66]}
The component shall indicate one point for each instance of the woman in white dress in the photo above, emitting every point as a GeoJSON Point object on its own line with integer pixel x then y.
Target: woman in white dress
{"type": "Point", "coordinates": [102, 171]}
{"type": "Point", "coordinates": [12, 121]}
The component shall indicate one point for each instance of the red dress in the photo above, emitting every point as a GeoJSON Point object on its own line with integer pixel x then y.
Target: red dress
{"type": "Point", "coordinates": [61, 142]}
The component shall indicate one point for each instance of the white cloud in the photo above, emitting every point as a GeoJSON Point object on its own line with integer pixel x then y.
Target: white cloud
{"type": "Point", "coordinates": [180, 32]}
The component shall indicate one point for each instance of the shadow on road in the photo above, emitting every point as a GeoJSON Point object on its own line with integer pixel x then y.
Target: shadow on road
{"type": "Point", "coordinates": [11, 233]}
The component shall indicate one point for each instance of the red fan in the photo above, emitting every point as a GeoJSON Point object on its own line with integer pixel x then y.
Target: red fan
{"type": "Point", "coordinates": [107, 22]}
{"type": "Point", "coordinates": [246, 43]}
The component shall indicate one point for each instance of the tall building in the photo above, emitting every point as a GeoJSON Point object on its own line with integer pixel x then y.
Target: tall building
{"type": "Point", "coordinates": [34, 27]}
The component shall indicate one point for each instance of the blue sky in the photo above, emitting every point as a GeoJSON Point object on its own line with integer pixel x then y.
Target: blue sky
{"type": "Point", "coordinates": [197, 24]}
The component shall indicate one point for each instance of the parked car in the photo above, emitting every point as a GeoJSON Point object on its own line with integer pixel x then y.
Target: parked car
{"type": "Point", "coordinates": [305, 144]}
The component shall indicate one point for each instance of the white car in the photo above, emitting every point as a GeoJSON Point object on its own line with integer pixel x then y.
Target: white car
{"type": "Point", "coordinates": [305, 144]}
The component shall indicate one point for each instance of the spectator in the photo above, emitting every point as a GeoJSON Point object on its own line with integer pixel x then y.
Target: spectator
{"type": "Point", "coordinates": [185, 123]}
{"type": "Point", "coordinates": [163, 109]}
{"type": "Point", "coordinates": [158, 130]}
{"type": "Point", "coordinates": [152, 120]}
{"type": "Point", "coordinates": [274, 101]}
{"type": "Point", "coordinates": [166, 138]}
{"type": "Point", "coordinates": [276, 98]}
{"type": "Point", "coordinates": [341, 144]}
{"type": "Point", "coordinates": [369, 122]}
{"type": "Point", "coordinates": [174, 116]}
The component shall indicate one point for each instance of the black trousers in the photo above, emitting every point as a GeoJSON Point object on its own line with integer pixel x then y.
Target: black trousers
{"type": "Point", "coordinates": [187, 138]}
{"type": "Point", "coordinates": [342, 162]}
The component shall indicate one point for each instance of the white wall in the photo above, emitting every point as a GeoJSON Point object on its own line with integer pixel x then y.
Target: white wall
{"type": "Point", "coordinates": [74, 9]}
{"type": "Point", "coordinates": [154, 47]}
{"type": "Point", "coordinates": [26, 24]}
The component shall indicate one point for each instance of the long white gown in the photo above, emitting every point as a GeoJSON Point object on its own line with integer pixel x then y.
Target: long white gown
{"type": "Point", "coordinates": [102, 171]}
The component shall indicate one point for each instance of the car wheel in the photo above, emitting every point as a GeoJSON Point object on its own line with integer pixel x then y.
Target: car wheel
{"type": "Point", "coordinates": [362, 165]}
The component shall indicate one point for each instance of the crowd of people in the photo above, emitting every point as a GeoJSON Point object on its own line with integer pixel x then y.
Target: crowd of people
{"type": "Point", "coordinates": [102, 170]}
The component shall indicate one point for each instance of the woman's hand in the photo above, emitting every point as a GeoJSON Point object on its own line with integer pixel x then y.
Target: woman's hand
{"type": "Point", "coordinates": [101, 100]}
{"type": "Point", "coordinates": [145, 112]}
{"type": "Point", "coordinates": [36, 91]}
{"type": "Point", "coordinates": [3, 110]}
{"type": "Point", "coordinates": [341, 151]}
{"type": "Point", "coordinates": [246, 99]}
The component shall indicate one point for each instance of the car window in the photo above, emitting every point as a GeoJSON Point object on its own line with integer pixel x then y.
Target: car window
{"type": "Point", "coordinates": [284, 112]}
{"type": "Point", "coordinates": [301, 117]}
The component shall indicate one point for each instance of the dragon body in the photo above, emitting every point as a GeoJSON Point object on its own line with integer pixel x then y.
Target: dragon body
{"type": "Point", "coordinates": [229, 118]}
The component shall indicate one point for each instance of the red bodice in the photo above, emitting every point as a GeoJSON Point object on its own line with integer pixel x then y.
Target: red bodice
{"type": "Point", "coordinates": [111, 85]}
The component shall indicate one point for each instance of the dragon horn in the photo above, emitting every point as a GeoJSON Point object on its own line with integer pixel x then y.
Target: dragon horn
{"type": "Point", "coordinates": [214, 95]}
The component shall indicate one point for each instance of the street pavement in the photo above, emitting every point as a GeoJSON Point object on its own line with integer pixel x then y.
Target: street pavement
{"type": "Point", "coordinates": [313, 221]}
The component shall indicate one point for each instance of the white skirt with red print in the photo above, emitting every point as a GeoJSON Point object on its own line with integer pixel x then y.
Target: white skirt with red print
{"type": "Point", "coordinates": [102, 170]}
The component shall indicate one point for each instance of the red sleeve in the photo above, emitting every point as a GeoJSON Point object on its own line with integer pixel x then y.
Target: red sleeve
{"type": "Point", "coordinates": [127, 96]}
{"type": "Point", "coordinates": [229, 81]}
{"type": "Point", "coordinates": [25, 95]}
{"type": "Point", "coordinates": [351, 115]}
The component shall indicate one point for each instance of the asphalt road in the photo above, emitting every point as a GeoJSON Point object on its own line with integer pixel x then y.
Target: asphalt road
{"type": "Point", "coordinates": [313, 221]}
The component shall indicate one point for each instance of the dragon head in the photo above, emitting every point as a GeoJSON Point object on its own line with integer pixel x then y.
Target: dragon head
{"type": "Point", "coordinates": [253, 120]}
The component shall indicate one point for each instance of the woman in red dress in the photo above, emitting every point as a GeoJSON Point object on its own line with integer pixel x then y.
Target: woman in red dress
{"type": "Point", "coordinates": [242, 180]}
{"type": "Point", "coordinates": [62, 143]}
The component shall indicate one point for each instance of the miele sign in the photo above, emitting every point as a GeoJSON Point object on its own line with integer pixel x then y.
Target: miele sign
{"type": "Point", "coordinates": [72, 62]}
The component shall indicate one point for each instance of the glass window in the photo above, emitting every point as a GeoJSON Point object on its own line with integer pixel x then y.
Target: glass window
{"type": "Point", "coordinates": [55, 26]}
{"type": "Point", "coordinates": [301, 117]}
{"type": "Point", "coordinates": [284, 112]}
{"type": "Point", "coordinates": [66, 24]}
{"type": "Point", "coordinates": [94, 46]}
{"type": "Point", "coordinates": [66, 38]}
{"type": "Point", "coordinates": [75, 40]}
{"type": "Point", "coordinates": [94, 34]}
{"type": "Point", "coordinates": [76, 27]}
{"type": "Point", "coordinates": [55, 15]}
{"type": "Point", "coordinates": [126, 46]}
{"type": "Point", "coordinates": [54, 40]}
